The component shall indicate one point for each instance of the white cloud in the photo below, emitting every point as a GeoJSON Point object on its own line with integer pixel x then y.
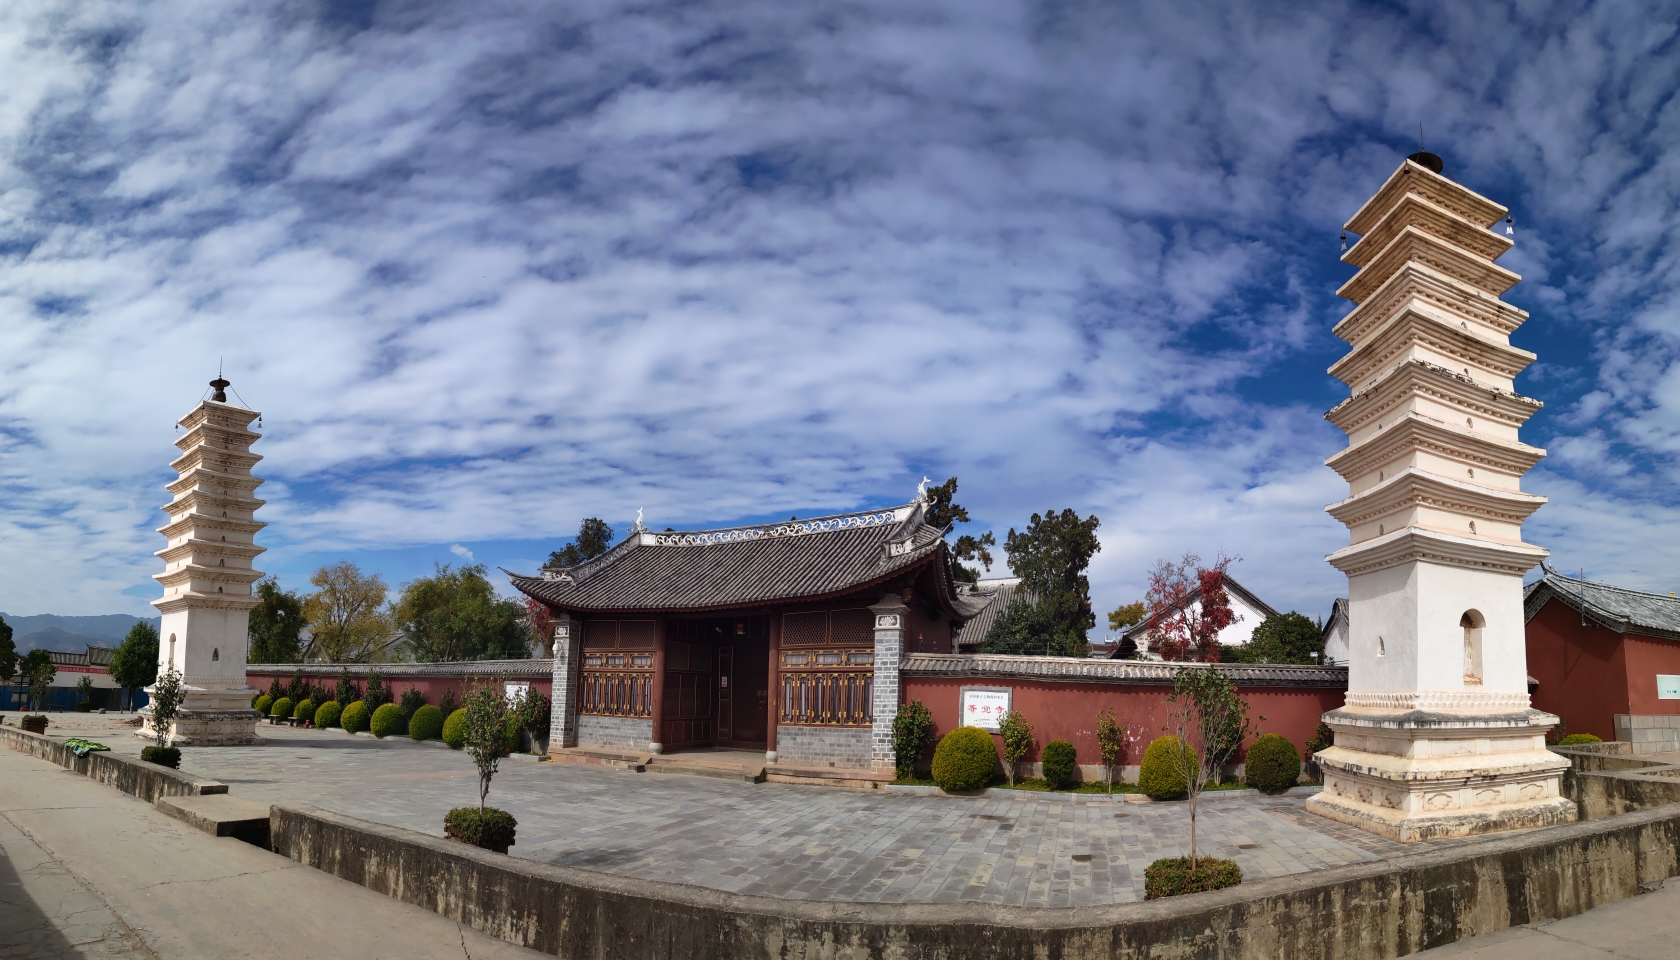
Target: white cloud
{"type": "Point", "coordinates": [461, 552]}
{"type": "Point", "coordinates": [489, 271]}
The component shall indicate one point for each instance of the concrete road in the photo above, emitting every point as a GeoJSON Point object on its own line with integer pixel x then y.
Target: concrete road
{"type": "Point", "coordinates": [1640, 928]}
{"type": "Point", "coordinates": [86, 871]}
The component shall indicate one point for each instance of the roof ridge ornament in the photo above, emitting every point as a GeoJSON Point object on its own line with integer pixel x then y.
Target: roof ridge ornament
{"type": "Point", "coordinates": [921, 490]}
{"type": "Point", "coordinates": [793, 528]}
{"type": "Point", "coordinates": [638, 526]}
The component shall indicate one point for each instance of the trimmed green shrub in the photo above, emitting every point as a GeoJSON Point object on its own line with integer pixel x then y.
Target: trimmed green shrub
{"type": "Point", "coordinates": [965, 759]}
{"type": "Point", "coordinates": [386, 721]}
{"type": "Point", "coordinates": [912, 732]}
{"type": "Point", "coordinates": [326, 715]}
{"type": "Point", "coordinates": [1157, 776]}
{"type": "Point", "coordinates": [1061, 761]}
{"type": "Point", "coordinates": [354, 719]}
{"type": "Point", "coordinates": [262, 704]}
{"type": "Point", "coordinates": [281, 708]}
{"type": "Point", "coordinates": [455, 729]}
{"type": "Point", "coordinates": [1171, 876]}
{"type": "Point", "coordinates": [304, 711]}
{"type": "Point", "coordinates": [426, 723]}
{"type": "Point", "coordinates": [510, 735]}
{"type": "Point", "coordinates": [1272, 764]}
{"type": "Point", "coordinates": [1579, 738]}
{"type": "Point", "coordinates": [162, 756]}
{"type": "Point", "coordinates": [489, 828]}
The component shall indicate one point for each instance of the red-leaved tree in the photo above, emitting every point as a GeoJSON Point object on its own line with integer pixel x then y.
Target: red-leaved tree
{"type": "Point", "coordinates": [542, 622]}
{"type": "Point", "coordinates": [1189, 606]}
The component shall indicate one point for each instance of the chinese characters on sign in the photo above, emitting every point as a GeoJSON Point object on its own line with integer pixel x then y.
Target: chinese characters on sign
{"type": "Point", "coordinates": [984, 708]}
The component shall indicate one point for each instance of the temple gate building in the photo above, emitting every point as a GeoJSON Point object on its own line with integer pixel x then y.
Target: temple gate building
{"type": "Point", "coordinates": [207, 575]}
{"type": "Point", "coordinates": [785, 637]}
{"type": "Point", "coordinates": [1437, 737]}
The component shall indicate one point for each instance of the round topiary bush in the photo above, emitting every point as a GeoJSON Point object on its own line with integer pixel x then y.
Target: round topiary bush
{"type": "Point", "coordinates": [1172, 876]}
{"type": "Point", "coordinates": [386, 721]}
{"type": "Point", "coordinates": [455, 729]}
{"type": "Point", "coordinates": [1273, 765]}
{"type": "Point", "coordinates": [489, 828]}
{"type": "Point", "coordinates": [1157, 777]}
{"type": "Point", "coordinates": [262, 704]}
{"type": "Point", "coordinates": [354, 719]}
{"type": "Point", "coordinates": [1578, 738]}
{"type": "Point", "coordinates": [965, 759]}
{"type": "Point", "coordinates": [281, 708]}
{"type": "Point", "coordinates": [426, 723]}
{"type": "Point", "coordinates": [1061, 762]}
{"type": "Point", "coordinates": [304, 711]}
{"type": "Point", "coordinates": [326, 715]}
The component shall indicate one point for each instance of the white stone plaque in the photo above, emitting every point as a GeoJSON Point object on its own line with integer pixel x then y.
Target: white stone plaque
{"type": "Point", "coordinates": [1668, 686]}
{"type": "Point", "coordinates": [516, 692]}
{"type": "Point", "coordinates": [984, 708]}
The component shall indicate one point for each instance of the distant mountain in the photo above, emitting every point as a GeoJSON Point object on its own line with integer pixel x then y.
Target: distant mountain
{"type": "Point", "coordinates": [70, 634]}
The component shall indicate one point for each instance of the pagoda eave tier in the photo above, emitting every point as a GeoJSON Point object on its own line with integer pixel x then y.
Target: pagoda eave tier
{"type": "Point", "coordinates": [219, 408]}
{"type": "Point", "coordinates": [1432, 546]}
{"type": "Point", "coordinates": [198, 521]}
{"type": "Point", "coordinates": [211, 478]}
{"type": "Point", "coordinates": [1416, 211]}
{"type": "Point", "coordinates": [1417, 378]}
{"type": "Point", "coordinates": [1417, 281]}
{"type": "Point", "coordinates": [1424, 330]}
{"type": "Point", "coordinates": [216, 436]}
{"type": "Point", "coordinates": [1411, 177]}
{"type": "Point", "coordinates": [1414, 433]}
{"type": "Point", "coordinates": [219, 501]}
{"type": "Point", "coordinates": [213, 456]}
{"type": "Point", "coordinates": [1414, 245]}
{"type": "Point", "coordinates": [215, 576]}
{"type": "Point", "coordinates": [176, 603]}
{"type": "Point", "coordinates": [1413, 487]}
{"type": "Point", "coordinates": [212, 548]}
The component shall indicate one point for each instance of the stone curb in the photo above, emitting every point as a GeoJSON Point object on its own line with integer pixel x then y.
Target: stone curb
{"type": "Point", "coordinates": [131, 775]}
{"type": "Point", "coordinates": [1361, 911]}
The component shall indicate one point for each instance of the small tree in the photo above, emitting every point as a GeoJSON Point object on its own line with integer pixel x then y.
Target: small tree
{"type": "Point", "coordinates": [1285, 638]}
{"type": "Point", "coordinates": [1017, 740]}
{"type": "Point", "coordinates": [912, 732]}
{"type": "Point", "coordinates": [1211, 722]}
{"type": "Point", "coordinates": [84, 689]}
{"type": "Point", "coordinates": [486, 734]}
{"type": "Point", "coordinates": [594, 536]}
{"type": "Point", "coordinates": [135, 664]}
{"type": "Point", "coordinates": [38, 673]}
{"type": "Point", "coordinates": [347, 693]}
{"type": "Point", "coordinates": [375, 696]}
{"type": "Point", "coordinates": [1111, 739]}
{"type": "Point", "coordinates": [166, 702]}
{"type": "Point", "coordinates": [8, 653]}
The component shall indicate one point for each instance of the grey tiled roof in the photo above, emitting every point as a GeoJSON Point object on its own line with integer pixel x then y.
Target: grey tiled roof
{"type": "Point", "coordinates": [997, 595]}
{"type": "Point", "coordinates": [93, 657]}
{"type": "Point", "coordinates": [1623, 610]}
{"type": "Point", "coordinates": [744, 566]}
{"type": "Point", "coordinates": [391, 671]}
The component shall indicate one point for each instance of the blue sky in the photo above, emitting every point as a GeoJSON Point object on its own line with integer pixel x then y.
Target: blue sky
{"type": "Point", "coordinates": [490, 268]}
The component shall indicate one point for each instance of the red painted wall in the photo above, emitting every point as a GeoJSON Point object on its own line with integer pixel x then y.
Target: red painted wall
{"type": "Point", "coordinates": [1581, 669]}
{"type": "Point", "coordinates": [1068, 711]}
{"type": "Point", "coordinates": [1647, 657]}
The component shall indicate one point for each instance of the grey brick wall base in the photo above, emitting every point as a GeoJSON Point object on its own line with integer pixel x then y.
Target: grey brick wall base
{"type": "Point", "coordinates": [614, 733]}
{"type": "Point", "coordinates": [824, 747]}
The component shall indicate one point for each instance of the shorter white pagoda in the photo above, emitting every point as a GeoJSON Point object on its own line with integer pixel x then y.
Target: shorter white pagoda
{"type": "Point", "coordinates": [207, 575]}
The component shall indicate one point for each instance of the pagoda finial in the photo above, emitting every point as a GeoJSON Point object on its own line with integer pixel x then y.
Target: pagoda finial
{"type": "Point", "coordinates": [220, 385]}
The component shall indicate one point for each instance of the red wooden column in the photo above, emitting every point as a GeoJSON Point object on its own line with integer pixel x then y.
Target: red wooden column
{"type": "Point", "coordinates": [656, 736]}
{"type": "Point", "coordinates": [775, 685]}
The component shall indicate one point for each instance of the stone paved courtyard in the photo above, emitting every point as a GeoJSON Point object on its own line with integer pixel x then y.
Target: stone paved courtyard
{"type": "Point", "coordinates": [774, 839]}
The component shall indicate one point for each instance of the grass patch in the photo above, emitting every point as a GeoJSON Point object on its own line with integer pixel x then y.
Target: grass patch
{"type": "Point", "coordinates": [915, 782]}
{"type": "Point", "coordinates": [1041, 785]}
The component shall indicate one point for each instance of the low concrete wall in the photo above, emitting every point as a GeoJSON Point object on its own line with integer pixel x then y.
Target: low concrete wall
{"type": "Point", "coordinates": [132, 776]}
{"type": "Point", "coordinates": [1367, 910]}
{"type": "Point", "coordinates": [1606, 780]}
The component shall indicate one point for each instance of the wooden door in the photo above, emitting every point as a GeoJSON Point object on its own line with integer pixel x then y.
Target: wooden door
{"type": "Point", "coordinates": [750, 691]}
{"type": "Point", "coordinates": [689, 707]}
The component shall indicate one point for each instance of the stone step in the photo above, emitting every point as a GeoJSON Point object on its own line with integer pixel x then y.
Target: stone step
{"type": "Point", "coordinates": [220, 815]}
{"type": "Point", "coordinates": [721, 770]}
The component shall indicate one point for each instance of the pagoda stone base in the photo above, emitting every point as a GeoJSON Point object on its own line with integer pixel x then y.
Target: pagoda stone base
{"type": "Point", "coordinates": [215, 713]}
{"type": "Point", "coordinates": [207, 728]}
{"type": "Point", "coordinates": [1421, 774]}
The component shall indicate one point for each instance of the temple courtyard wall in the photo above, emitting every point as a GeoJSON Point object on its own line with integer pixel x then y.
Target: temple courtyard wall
{"type": "Point", "coordinates": [619, 865]}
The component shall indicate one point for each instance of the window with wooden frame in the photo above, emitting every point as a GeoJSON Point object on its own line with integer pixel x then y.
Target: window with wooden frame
{"type": "Point", "coordinates": [617, 675]}
{"type": "Point", "coordinates": [827, 668]}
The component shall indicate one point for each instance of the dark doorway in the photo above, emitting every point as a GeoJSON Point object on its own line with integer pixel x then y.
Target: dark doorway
{"type": "Point", "coordinates": [717, 688]}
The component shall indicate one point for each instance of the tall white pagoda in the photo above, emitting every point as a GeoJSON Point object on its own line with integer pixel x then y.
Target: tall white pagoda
{"type": "Point", "coordinates": [208, 573]}
{"type": "Point", "coordinates": [1436, 737]}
